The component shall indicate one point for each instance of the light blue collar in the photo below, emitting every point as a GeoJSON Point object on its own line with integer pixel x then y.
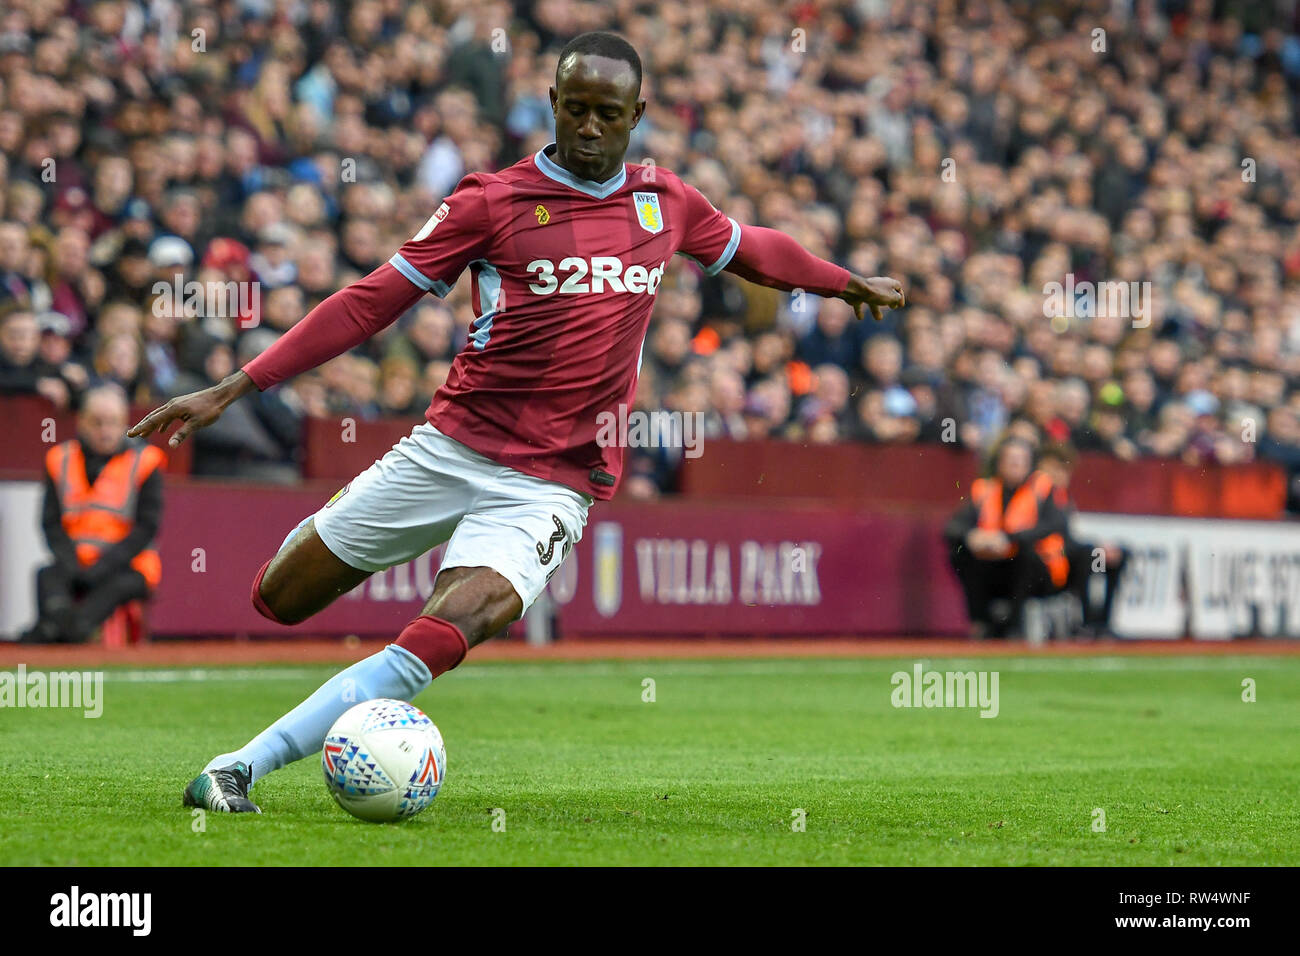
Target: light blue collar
{"type": "Point", "coordinates": [550, 168]}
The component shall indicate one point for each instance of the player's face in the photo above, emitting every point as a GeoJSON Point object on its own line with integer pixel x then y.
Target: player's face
{"type": "Point", "coordinates": [596, 108]}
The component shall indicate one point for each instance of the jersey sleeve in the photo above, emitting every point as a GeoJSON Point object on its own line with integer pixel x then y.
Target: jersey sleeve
{"type": "Point", "coordinates": [710, 238]}
{"type": "Point", "coordinates": [458, 232]}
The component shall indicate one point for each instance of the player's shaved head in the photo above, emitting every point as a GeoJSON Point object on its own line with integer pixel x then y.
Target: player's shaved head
{"type": "Point", "coordinates": [611, 46]}
{"type": "Point", "coordinates": [596, 104]}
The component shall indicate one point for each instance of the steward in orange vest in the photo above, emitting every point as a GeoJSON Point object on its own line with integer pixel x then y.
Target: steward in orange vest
{"type": "Point", "coordinates": [1008, 540]}
{"type": "Point", "coordinates": [1017, 515]}
{"type": "Point", "coordinates": [96, 515]}
{"type": "Point", "coordinates": [101, 514]}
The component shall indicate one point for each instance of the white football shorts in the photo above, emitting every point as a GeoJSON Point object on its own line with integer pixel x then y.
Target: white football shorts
{"type": "Point", "coordinates": [431, 489]}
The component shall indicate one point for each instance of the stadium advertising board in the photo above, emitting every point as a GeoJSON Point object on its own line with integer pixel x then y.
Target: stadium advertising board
{"type": "Point", "coordinates": [1213, 579]}
{"type": "Point", "coordinates": [696, 569]}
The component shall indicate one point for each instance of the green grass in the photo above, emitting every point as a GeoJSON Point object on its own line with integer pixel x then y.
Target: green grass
{"type": "Point", "coordinates": [709, 773]}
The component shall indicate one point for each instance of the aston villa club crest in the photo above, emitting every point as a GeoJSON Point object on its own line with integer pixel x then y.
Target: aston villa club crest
{"type": "Point", "coordinates": [647, 211]}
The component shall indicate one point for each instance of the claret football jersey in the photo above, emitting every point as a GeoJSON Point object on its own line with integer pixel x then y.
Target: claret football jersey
{"type": "Point", "coordinates": [565, 273]}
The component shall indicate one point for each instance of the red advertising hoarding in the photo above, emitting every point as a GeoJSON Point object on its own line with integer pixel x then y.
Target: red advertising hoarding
{"type": "Point", "coordinates": [687, 568]}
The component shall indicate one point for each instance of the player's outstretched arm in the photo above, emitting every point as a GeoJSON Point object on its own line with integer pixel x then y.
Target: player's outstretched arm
{"type": "Point", "coordinates": [771, 258]}
{"type": "Point", "coordinates": [196, 410]}
{"type": "Point", "coordinates": [341, 322]}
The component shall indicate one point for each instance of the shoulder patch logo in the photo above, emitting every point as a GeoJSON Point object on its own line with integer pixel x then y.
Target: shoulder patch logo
{"type": "Point", "coordinates": [647, 211]}
{"type": "Point", "coordinates": [436, 218]}
{"type": "Point", "coordinates": [543, 215]}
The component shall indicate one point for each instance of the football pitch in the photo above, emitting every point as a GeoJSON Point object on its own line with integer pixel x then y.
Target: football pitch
{"type": "Point", "coordinates": [1097, 761]}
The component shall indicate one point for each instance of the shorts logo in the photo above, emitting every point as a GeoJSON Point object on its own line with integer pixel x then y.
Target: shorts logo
{"type": "Point", "coordinates": [338, 494]}
{"type": "Point", "coordinates": [545, 554]}
{"type": "Point", "coordinates": [647, 211]}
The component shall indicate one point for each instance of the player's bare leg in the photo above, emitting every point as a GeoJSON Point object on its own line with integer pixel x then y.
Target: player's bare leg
{"type": "Point", "coordinates": [479, 601]}
{"type": "Point", "coordinates": [468, 606]}
{"type": "Point", "coordinates": [303, 577]}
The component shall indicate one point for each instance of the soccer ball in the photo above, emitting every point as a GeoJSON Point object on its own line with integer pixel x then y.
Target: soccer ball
{"type": "Point", "coordinates": [384, 760]}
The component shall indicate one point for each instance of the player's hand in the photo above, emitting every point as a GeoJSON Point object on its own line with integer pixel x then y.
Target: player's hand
{"type": "Point", "coordinates": [197, 409]}
{"type": "Point", "coordinates": [876, 293]}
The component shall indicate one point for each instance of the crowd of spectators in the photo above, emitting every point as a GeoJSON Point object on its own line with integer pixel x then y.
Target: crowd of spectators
{"type": "Point", "coordinates": [978, 150]}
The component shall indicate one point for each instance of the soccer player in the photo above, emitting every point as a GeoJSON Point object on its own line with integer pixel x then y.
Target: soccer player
{"type": "Point", "coordinates": [566, 249]}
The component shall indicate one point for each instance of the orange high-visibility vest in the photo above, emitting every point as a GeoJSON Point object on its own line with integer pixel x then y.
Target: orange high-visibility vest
{"type": "Point", "coordinates": [103, 514]}
{"type": "Point", "coordinates": [1021, 515]}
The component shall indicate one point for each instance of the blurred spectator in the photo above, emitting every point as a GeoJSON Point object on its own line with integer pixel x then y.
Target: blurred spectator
{"type": "Point", "coordinates": [1282, 445]}
{"type": "Point", "coordinates": [257, 437]}
{"type": "Point", "coordinates": [399, 388]}
{"type": "Point", "coordinates": [1106, 430]}
{"type": "Point", "coordinates": [130, 275]}
{"type": "Point", "coordinates": [1088, 560]}
{"type": "Point", "coordinates": [273, 260]}
{"type": "Point", "coordinates": [430, 336]}
{"type": "Point", "coordinates": [56, 352]}
{"type": "Point", "coordinates": [14, 253]}
{"type": "Point", "coordinates": [22, 369]}
{"type": "Point", "coordinates": [833, 339]}
{"type": "Point", "coordinates": [103, 555]}
{"type": "Point", "coordinates": [724, 419]}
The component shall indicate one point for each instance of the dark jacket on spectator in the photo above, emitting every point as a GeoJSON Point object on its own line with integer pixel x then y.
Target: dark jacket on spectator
{"type": "Point", "coordinates": [22, 379]}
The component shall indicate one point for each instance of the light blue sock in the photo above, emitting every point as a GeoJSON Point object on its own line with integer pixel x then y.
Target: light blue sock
{"type": "Point", "coordinates": [393, 672]}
